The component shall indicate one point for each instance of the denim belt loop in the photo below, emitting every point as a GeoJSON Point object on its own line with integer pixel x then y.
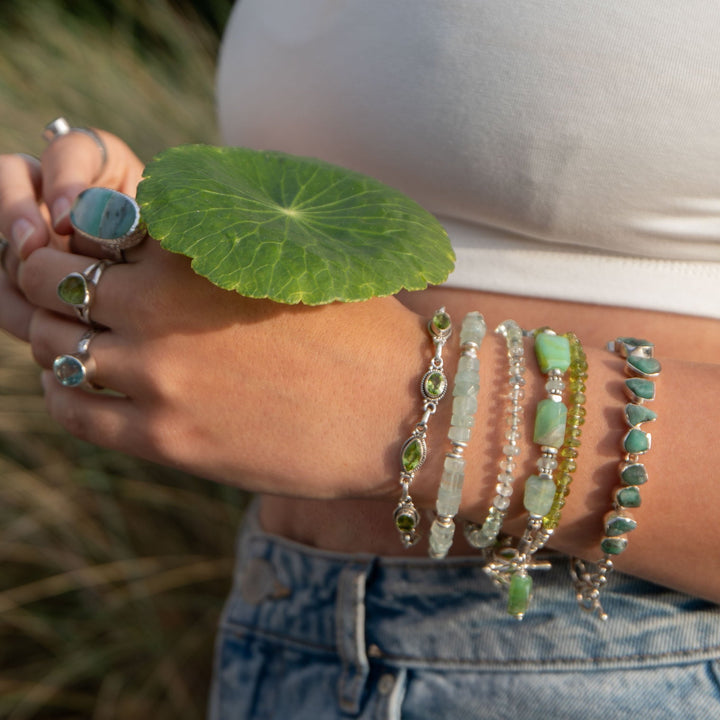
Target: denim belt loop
{"type": "Point", "coordinates": [350, 635]}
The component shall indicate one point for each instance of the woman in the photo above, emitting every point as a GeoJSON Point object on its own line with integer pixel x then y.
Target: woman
{"type": "Point", "coordinates": [572, 155]}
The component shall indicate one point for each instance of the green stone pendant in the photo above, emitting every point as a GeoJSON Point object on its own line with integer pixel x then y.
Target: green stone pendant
{"type": "Point", "coordinates": [519, 594]}
{"type": "Point", "coordinates": [441, 324]}
{"type": "Point", "coordinates": [552, 352]}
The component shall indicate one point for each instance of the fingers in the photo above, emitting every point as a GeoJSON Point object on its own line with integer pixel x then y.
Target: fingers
{"type": "Point", "coordinates": [75, 161]}
{"type": "Point", "coordinates": [40, 275]}
{"type": "Point", "coordinates": [21, 218]}
{"type": "Point", "coordinates": [36, 195]}
{"type": "Point", "coordinates": [15, 311]}
{"type": "Point", "coordinates": [105, 420]}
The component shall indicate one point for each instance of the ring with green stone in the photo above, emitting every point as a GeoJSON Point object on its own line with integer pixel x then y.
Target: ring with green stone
{"type": "Point", "coordinates": [77, 369]}
{"type": "Point", "coordinates": [109, 218]}
{"type": "Point", "coordinates": [78, 289]}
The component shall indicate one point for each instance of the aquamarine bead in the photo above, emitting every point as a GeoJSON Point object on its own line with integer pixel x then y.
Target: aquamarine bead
{"type": "Point", "coordinates": [473, 329]}
{"type": "Point", "coordinates": [467, 362]}
{"type": "Point", "coordinates": [459, 434]}
{"type": "Point", "coordinates": [464, 405]}
{"type": "Point", "coordinates": [552, 352]}
{"type": "Point", "coordinates": [539, 494]}
{"type": "Point", "coordinates": [441, 537]}
{"type": "Point", "coordinates": [550, 421]}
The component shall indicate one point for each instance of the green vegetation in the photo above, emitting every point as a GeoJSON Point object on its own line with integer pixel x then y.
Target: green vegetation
{"type": "Point", "coordinates": [113, 570]}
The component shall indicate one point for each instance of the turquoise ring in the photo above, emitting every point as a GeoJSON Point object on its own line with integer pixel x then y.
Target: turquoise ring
{"type": "Point", "coordinates": [109, 218]}
{"type": "Point", "coordinates": [78, 368]}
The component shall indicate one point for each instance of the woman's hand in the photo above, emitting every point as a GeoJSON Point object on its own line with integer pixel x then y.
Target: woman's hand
{"type": "Point", "coordinates": [297, 400]}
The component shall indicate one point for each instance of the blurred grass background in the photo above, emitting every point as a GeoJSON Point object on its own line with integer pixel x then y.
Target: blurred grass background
{"type": "Point", "coordinates": [113, 571]}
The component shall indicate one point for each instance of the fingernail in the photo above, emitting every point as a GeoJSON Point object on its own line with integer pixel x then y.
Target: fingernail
{"type": "Point", "coordinates": [20, 233]}
{"type": "Point", "coordinates": [60, 210]}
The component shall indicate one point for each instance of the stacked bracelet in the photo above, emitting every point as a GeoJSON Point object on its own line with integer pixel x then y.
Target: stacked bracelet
{"type": "Point", "coordinates": [465, 390]}
{"type": "Point", "coordinates": [485, 536]}
{"type": "Point", "coordinates": [642, 368]}
{"type": "Point", "coordinates": [510, 567]}
{"type": "Point", "coordinates": [414, 451]}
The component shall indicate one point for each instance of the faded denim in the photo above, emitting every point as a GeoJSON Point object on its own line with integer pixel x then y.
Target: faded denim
{"type": "Point", "coordinates": [313, 635]}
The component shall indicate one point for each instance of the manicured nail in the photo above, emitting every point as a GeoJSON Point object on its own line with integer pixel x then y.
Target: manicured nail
{"type": "Point", "coordinates": [60, 210]}
{"type": "Point", "coordinates": [20, 233]}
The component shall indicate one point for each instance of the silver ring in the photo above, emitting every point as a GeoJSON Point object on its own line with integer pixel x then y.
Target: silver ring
{"type": "Point", "coordinates": [60, 126]}
{"type": "Point", "coordinates": [78, 289]}
{"type": "Point", "coordinates": [108, 217]}
{"type": "Point", "coordinates": [78, 368]}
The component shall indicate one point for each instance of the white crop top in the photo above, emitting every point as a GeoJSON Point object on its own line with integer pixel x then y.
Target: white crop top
{"type": "Point", "coordinates": [570, 148]}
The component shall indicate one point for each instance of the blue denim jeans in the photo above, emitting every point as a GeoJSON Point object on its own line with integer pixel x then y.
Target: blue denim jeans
{"type": "Point", "coordinates": [315, 635]}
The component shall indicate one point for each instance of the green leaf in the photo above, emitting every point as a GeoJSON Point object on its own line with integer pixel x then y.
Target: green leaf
{"type": "Point", "coordinates": [292, 229]}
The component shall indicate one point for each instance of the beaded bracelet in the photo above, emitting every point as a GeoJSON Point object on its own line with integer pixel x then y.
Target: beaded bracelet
{"type": "Point", "coordinates": [414, 451]}
{"type": "Point", "coordinates": [577, 375]}
{"type": "Point", "coordinates": [465, 390]}
{"type": "Point", "coordinates": [510, 566]}
{"type": "Point", "coordinates": [485, 536]}
{"type": "Point", "coordinates": [641, 367]}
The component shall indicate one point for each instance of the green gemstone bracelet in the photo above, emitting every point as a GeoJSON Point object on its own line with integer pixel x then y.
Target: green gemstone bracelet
{"type": "Point", "coordinates": [642, 369]}
{"type": "Point", "coordinates": [433, 387]}
{"type": "Point", "coordinates": [510, 566]}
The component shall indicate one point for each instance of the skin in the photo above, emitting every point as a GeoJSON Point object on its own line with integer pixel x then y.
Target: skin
{"type": "Point", "coordinates": [310, 406]}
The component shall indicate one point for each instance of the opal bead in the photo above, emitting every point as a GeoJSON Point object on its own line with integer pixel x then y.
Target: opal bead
{"type": "Point", "coordinates": [552, 352]}
{"type": "Point", "coordinates": [539, 494]}
{"type": "Point", "coordinates": [550, 421]}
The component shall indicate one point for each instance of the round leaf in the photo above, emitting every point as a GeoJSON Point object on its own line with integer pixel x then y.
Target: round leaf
{"type": "Point", "coordinates": [292, 229]}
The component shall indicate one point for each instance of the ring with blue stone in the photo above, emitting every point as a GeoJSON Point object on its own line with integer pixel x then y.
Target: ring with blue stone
{"type": "Point", "coordinates": [109, 218]}
{"type": "Point", "coordinates": [78, 289]}
{"type": "Point", "coordinates": [60, 126]}
{"type": "Point", "coordinates": [77, 369]}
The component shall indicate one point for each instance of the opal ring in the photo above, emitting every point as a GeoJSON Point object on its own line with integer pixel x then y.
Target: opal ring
{"type": "Point", "coordinates": [78, 368]}
{"type": "Point", "coordinates": [78, 289]}
{"type": "Point", "coordinates": [60, 126]}
{"type": "Point", "coordinates": [108, 217]}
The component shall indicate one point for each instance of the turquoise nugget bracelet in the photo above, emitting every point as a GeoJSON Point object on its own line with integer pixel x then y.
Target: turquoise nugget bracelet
{"type": "Point", "coordinates": [642, 368]}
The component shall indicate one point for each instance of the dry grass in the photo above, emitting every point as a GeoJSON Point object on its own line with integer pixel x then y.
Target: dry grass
{"type": "Point", "coordinates": [113, 570]}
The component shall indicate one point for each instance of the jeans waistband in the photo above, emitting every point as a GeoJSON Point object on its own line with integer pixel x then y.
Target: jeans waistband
{"type": "Point", "coordinates": [417, 612]}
